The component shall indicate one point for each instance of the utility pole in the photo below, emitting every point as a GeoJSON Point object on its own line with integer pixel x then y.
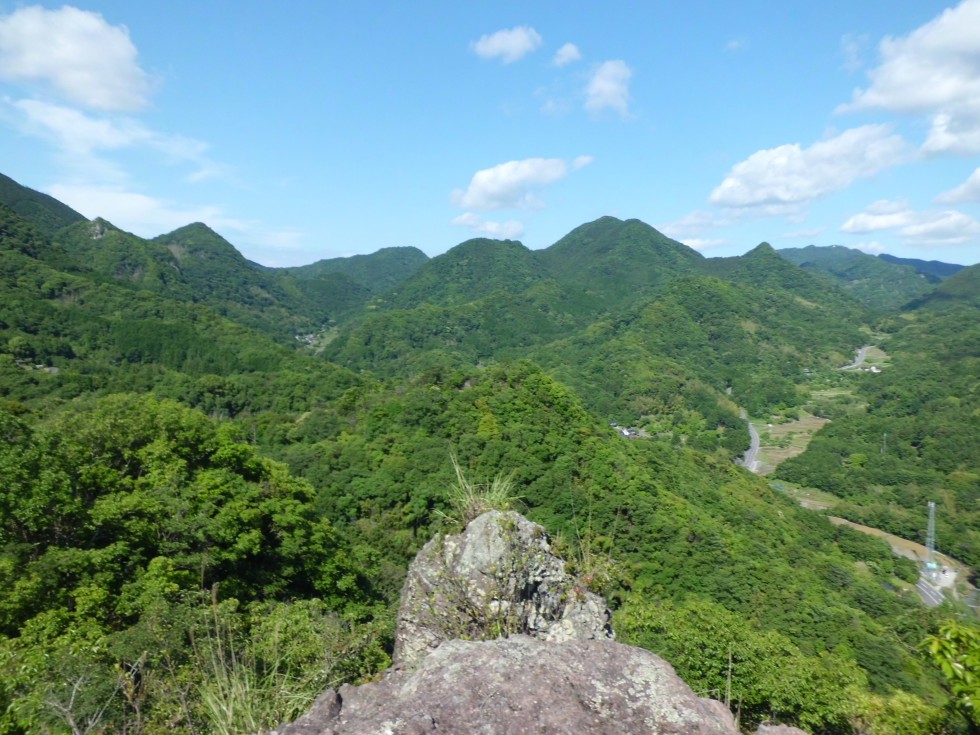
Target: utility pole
{"type": "Point", "coordinates": [931, 567]}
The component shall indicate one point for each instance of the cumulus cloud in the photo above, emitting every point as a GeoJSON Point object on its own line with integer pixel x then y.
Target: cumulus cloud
{"type": "Point", "coordinates": [692, 226]}
{"type": "Point", "coordinates": [609, 87]}
{"type": "Point", "coordinates": [969, 191]}
{"type": "Point", "coordinates": [508, 230]}
{"type": "Point", "coordinates": [141, 214]}
{"type": "Point", "coordinates": [947, 227]}
{"type": "Point", "coordinates": [76, 53]}
{"type": "Point", "coordinates": [566, 55]}
{"type": "Point", "coordinates": [507, 45]}
{"type": "Point", "coordinates": [509, 185]}
{"type": "Point", "coordinates": [871, 248]}
{"type": "Point", "coordinates": [792, 175]}
{"type": "Point", "coordinates": [883, 214]}
{"type": "Point", "coordinates": [942, 228]}
{"type": "Point", "coordinates": [81, 136]}
{"type": "Point", "coordinates": [935, 70]}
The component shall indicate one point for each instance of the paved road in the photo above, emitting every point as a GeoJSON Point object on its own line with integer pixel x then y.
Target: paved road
{"type": "Point", "coordinates": [750, 460]}
{"type": "Point", "coordinates": [930, 595]}
{"type": "Point", "coordinates": [859, 358]}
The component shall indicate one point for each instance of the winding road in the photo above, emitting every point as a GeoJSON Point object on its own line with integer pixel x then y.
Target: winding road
{"type": "Point", "coordinates": [859, 359]}
{"type": "Point", "coordinates": [750, 460]}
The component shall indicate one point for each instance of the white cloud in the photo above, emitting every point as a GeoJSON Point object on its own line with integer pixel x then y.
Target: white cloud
{"type": "Point", "coordinates": [955, 131]}
{"type": "Point", "coordinates": [935, 70]}
{"type": "Point", "coordinates": [508, 185]}
{"type": "Point", "coordinates": [793, 175]}
{"type": "Point", "coordinates": [942, 228]}
{"type": "Point", "coordinates": [81, 136]}
{"type": "Point", "coordinates": [566, 55]}
{"type": "Point", "coordinates": [509, 45]}
{"type": "Point", "coordinates": [581, 161]}
{"type": "Point", "coordinates": [508, 230]}
{"type": "Point", "coordinates": [871, 248]}
{"type": "Point", "coordinates": [143, 215]}
{"type": "Point", "coordinates": [609, 87]}
{"type": "Point", "coordinates": [75, 52]}
{"type": "Point", "coordinates": [75, 131]}
{"type": "Point", "coordinates": [692, 225]}
{"type": "Point", "coordinates": [969, 191]}
{"type": "Point", "coordinates": [883, 214]}
{"type": "Point", "coordinates": [736, 44]}
{"type": "Point", "coordinates": [948, 227]}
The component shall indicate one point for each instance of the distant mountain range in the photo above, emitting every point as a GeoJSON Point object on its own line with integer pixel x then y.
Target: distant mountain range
{"type": "Point", "coordinates": [363, 375]}
{"type": "Point", "coordinates": [882, 282]}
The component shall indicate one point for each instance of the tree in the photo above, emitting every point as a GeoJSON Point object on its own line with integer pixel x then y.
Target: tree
{"type": "Point", "coordinates": [955, 649]}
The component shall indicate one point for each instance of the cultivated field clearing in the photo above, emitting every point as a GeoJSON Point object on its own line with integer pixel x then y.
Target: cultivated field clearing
{"type": "Point", "coordinates": [779, 442]}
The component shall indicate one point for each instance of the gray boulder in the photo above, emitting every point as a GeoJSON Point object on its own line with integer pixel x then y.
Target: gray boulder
{"type": "Point", "coordinates": [521, 685]}
{"type": "Point", "coordinates": [779, 730]}
{"type": "Point", "coordinates": [494, 637]}
{"type": "Point", "coordinates": [497, 578]}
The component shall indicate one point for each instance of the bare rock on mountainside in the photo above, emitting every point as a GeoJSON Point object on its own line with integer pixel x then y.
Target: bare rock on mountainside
{"type": "Point", "coordinates": [779, 730]}
{"type": "Point", "coordinates": [497, 578]}
{"type": "Point", "coordinates": [537, 655]}
{"type": "Point", "coordinates": [522, 685]}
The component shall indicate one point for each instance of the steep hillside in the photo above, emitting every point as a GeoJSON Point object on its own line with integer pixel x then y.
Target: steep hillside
{"type": "Point", "coordinates": [933, 270]}
{"type": "Point", "coordinates": [752, 343]}
{"type": "Point", "coordinates": [468, 272]}
{"type": "Point", "coordinates": [376, 273]}
{"type": "Point", "coordinates": [618, 263]}
{"type": "Point", "coordinates": [914, 440]}
{"type": "Point", "coordinates": [46, 213]}
{"type": "Point", "coordinates": [961, 290]}
{"type": "Point", "coordinates": [195, 264]}
{"type": "Point", "coordinates": [875, 281]}
{"type": "Point", "coordinates": [63, 334]}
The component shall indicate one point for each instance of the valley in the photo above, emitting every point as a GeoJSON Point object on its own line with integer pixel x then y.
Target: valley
{"type": "Point", "coordinates": [185, 477]}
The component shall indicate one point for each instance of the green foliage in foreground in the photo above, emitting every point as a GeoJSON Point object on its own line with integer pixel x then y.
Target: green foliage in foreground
{"type": "Point", "coordinates": [763, 675]}
{"type": "Point", "coordinates": [115, 517]}
{"type": "Point", "coordinates": [955, 649]}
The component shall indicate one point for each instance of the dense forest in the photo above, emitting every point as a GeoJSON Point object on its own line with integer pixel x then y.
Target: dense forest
{"type": "Point", "coordinates": [214, 474]}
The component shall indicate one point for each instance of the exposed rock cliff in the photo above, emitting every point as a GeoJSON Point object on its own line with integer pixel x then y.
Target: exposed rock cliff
{"type": "Point", "coordinates": [539, 658]}
{"type": "Point", "coordinates": [498, 578]}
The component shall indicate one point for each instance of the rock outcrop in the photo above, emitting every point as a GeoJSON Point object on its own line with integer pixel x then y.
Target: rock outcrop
{"type": "Point", "coordinates": [539, 656]}
{"type": "Point", "coordinates": [522, 685]}
{"type": "Point", "coordinates": [496, 579]}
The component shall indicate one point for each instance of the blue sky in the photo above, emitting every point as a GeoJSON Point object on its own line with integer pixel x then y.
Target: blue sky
{"type": "Point", "coordinates": [313, 130]}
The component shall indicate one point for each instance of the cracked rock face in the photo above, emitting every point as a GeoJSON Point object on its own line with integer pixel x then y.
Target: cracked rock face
{"type": "Point", "coordinates": [522, 685]}
{"type": "Point", "coordinates": [497, 578]}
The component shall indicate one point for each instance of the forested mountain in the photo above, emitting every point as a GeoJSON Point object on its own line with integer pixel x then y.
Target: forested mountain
{"type": "Point", "coordinates": [378, 272]}
{"type": "Point", "coordinates": [46, 213]}
{"type": "Point", "coordinates": [880, 282]}
{"type": "Point", "coordinates": [934, 270]}
{"type": "Point", "coordinates": [196, 517]}
{"type": "Point", "coordinates": [618, 263]}
{"type": "Point", "coordinates": [468, 272]}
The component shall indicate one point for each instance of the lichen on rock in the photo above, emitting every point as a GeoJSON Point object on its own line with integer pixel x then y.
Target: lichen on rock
{"type": "Point", "coordinates": [497, 578]}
